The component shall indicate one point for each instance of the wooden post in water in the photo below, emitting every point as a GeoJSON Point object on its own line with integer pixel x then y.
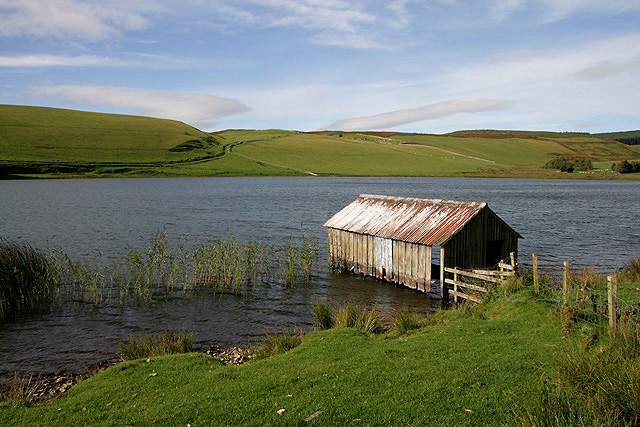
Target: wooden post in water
{"type": "Point", "coordinates": [612, 291]}
{"type": "Point", "coordinates": [536, 282]}
{"type": "Point", "coordinates": [565, 285]}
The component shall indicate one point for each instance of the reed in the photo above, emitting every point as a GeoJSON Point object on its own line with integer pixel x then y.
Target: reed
{"type": "Point", "coordinates": [170, 341]}
{"type": "Point", "coordinates": [27, 281]}
{"type": "Point", "coordinates": [287, 262]}
{"type": "Point", "coordinates": [309, 253]}
{"type": "Point", "coordinates": [22, 390]}
{"type": "Point", "coordinates": [220, 265]}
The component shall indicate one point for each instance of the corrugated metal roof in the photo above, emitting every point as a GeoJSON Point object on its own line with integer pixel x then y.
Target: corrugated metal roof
{"type": "Point", "coordinates": [425, 221]}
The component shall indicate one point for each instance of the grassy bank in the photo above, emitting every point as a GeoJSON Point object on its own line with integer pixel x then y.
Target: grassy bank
{"type": "Point", "coordinates": [457, 370]}
{"type": "Point", "coordinates": [517, 359]}
{"type": "Point", "coordinates": [38, 142]}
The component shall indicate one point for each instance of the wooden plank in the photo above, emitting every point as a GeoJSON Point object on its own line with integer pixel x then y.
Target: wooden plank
{"type": "Point", "coordinates": [474, 275]}
{"type": "Point", "coordinates": [565, 284]}
{"type": "Point", "coordinates": [412, 250]}
{"type": "Point", "coordinates": [494, 272]}
{"type": "Point", "coordinates": [444, 290]}
{"type": "Point", "coordinates": [428, 260]}
{"type": "Point", "coordinates": [465, 296]}
{"type": "Point", "coordinates": [422, 265]}
{"type": "Point", "coordinates": [612, 296]}
{"type": "Point", "coordinates": [395, 260]}
{"type": "Point", "coordinates": [401, 263]}
{"type": "Point", "coordinates": [536, 282]}
{"type": "Point", "coordinates": [371, 249]}
{"type": "Point", "coordinates": [361, 253]}
{"type": "Point", "coordinates": [465, 285]}
{"type": "Point", "coordinates": [506, 266]}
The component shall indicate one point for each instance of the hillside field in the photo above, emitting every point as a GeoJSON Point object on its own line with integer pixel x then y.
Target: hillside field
{"type": "Point", "coordinates": [50, 142]}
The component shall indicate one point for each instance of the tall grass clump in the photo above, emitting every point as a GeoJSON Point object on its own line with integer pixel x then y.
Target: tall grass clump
{"type": "Point", "coordinates": [405, 320]}
{"type": "Point", "coordinates": [26, 280]}
{"type": "Point", "coordinates": [22, 390]}
{"type": "Point", "coordinates": [631, 270]}
{"type": "Point", "coordinates": [323, 314]}
{"type": "Point", "coordinates": [170, 341]}
{"type": "Point", "coordinates": [352, 316]}
{"type": "Point", "coordinates": [596, 382]}
{"type": "Point", "coordinates": [279, 342]}
{"type": "Point", "coordinates": [594, 386]}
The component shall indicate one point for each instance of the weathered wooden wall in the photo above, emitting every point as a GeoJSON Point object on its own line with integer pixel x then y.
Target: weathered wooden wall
{"type": "Point", "coordinates": [409, 265]}
{"type": "Point", "coordinates": [468, 248]}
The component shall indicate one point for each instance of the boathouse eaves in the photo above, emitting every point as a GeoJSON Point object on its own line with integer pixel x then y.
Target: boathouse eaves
{"type": "Point", "coordinates": [422, 221]}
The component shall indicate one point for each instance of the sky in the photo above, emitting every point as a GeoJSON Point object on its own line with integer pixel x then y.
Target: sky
{"type": "Point", "coordinates": [430, 66]}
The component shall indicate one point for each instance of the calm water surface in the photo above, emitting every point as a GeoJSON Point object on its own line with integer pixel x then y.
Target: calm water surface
{"type": "Point", "coordinates": [584, 222]}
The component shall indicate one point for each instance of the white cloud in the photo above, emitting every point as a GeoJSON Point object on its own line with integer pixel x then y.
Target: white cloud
{"type": "Point", "coordinates": [199, 110]}
{"type": "Point", "coordinates": [560, 9]}
{"type": "Point", "coordinates": [66, 19]}
{"type": "Point", "coordinates": [555, 10]}
{"type": "Point", "coordinates": [529, 71]}
{"type": "Point", "coordinates": [29, 61]}
{"type": "Point", "coordinates": [142, 60]}
{"type": "Point", "coordinates": [329, 22]}
{"type": "Point", "coordinates": [428, 112]}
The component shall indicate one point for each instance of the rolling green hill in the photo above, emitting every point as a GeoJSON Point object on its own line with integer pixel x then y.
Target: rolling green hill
{"type": "Point", "coordinates": [50, 142]}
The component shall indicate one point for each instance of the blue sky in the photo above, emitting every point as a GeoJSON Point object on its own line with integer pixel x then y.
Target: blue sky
{"type": "Point", "coordinates": [420, 66]}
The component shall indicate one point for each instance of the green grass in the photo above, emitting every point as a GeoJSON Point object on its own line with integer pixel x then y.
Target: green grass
{"type": "Point", "coordinates": [458, 370]}
{"type": "Point", "coordinates": [47, 142]}
{"type": "Point", "coordinates": [329, 155]}
{"type": "Point", "coordinates": [170, 341]}
{"type": "Point", "coordinates": [51, 134]}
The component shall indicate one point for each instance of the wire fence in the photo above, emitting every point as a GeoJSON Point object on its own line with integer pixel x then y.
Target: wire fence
{"type": "Point", "coordinates": [586, 294]}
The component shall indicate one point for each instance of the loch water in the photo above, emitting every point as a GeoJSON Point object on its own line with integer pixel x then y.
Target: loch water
{"type": "Point", "coordinates": [588, 223]}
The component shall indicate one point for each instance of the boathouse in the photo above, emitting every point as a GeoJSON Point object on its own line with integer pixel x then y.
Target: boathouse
{"type": "Point", "coordinates": [393, 238]}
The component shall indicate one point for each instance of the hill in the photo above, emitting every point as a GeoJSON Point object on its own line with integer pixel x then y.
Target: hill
{"type": "Point", "coordinates": [631, 137]}
{"type": "Point", "coordinates": [50, 142]}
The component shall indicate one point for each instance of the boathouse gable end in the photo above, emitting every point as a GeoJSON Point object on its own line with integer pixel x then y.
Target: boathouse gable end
{"type": "Point", "coordinates": [392, 237]}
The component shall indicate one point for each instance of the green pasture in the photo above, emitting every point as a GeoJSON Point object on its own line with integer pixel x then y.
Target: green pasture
{"type": "Point", "coordinates": [51, 134]}
{"type": "Point", "coordinates": [50, 142]}
{"type": "Point", "coordinates": [332, 155]}
{"type": "Point", "coordinates": [458, 370]}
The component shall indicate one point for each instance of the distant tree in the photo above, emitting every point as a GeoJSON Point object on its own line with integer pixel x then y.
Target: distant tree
{"type": "Point", "coordinates": [626, 167]}
{"type": "Point", "coordinates": [565, 163]}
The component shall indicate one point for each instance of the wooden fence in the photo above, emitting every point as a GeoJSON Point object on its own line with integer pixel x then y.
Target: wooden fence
{"type": "Point", "coordinates": [612, 289]}
{"type": "Point", "coordinates": [469, 284]}
{"type": "Point", "coordinates": [472, 284]}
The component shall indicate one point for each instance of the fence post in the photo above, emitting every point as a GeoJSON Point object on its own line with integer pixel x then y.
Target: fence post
{"type": "Point", "coordinates": [512, 255]}
{"type": "Point", "coordinates": [612, 291]}
{"type": "Point", "coordinates": [536, 283]}
{"type": "Point", "coordinates": [455, 288]}
{"type": "Point", "coordinates": [565, 285]}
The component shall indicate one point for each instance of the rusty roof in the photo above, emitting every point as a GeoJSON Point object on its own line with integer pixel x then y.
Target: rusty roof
{"type": "Point", "coordinates": [424, 221]}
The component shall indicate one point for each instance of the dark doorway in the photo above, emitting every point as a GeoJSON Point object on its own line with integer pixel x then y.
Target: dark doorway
{"type": "Point", "coordinates": [494, 252]}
